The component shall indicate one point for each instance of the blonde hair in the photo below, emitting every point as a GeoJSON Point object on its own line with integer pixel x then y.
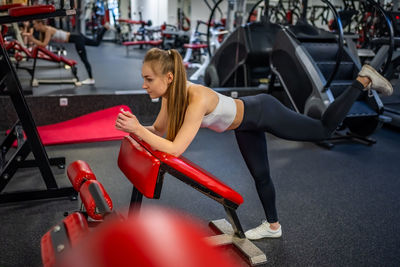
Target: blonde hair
{"type": "Point", "coordinates": [162, 62]}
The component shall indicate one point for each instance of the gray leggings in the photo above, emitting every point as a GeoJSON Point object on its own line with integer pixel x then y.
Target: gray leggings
{"type": "Point", "coordinates": [263, 113]}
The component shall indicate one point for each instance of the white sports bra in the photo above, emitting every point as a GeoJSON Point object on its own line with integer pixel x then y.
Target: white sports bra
{"type": "Point", "coordinates": [222, 116]}
{"type": "Point", "coordinates": [60, 36]}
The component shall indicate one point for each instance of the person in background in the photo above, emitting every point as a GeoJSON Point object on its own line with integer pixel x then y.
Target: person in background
{"type": "Point", "coordinates": [49, 33]}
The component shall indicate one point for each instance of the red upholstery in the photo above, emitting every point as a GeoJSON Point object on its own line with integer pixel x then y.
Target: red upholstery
{"type": "Point", "coordinates": [78, 172]}
{"type": "Point", "coordinates": [132, 155]}
{"type": "Point", "coordinates": [201, 176]}
{"type": "Point", "coordinates": [18, 56]}
{"type": "Point", "coordinates": [88, 200]}
{"type": "Point", "coordinates": [47, 250]}
{"type": "Point", "coordinates": [69, 62]}
{"type": "Point", "coordinates": [30, 10]}
{"type": "Point", "coordinates": [76, 227]}
{"type": "Point", "coordinates": [139, 166]}
{"type": "Point", "coordinates": [152, 42]}
{"type": "Point", "coordinates": [17, 46]}
{"type": "Point", "coordinates": [156, 238]}
{"type": "Point", "coordinates": [8, 6]}
{"type": "Point", "coordinates": [44, 53]}
{"type": "Point", "coordinates": [131, 21]}
{"type": "Point", "coordinates": [195, 46]}
{"type": "Point", "coordinates": [40, 53]}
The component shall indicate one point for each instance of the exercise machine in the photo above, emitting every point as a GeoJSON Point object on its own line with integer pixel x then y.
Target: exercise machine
{"type": "Point", "coordinates": [145, 168]}
{"type": "Point", "coordinates": [243, 57]}
{"type": "Point", "coordinates": [31, 143]}
{"type": "Point", "coordinates": [314, 68]}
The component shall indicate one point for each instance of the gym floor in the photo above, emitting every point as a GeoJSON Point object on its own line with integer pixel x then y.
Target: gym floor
{"type": "Point", "coordinates": [337, 207]}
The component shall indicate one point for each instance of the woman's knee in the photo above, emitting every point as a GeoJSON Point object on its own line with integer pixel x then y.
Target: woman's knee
{"type": "Point", "coordinates": [261, 176]}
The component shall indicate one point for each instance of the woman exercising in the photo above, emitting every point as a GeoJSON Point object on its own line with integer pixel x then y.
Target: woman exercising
{"type": "Point", "coordinates": [52, 34]}
{"type": "Point", "coordinates": [186, 107]}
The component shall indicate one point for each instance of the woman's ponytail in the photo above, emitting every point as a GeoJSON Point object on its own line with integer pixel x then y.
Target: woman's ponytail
{"type": "Point", "coordinates": [177, 96]}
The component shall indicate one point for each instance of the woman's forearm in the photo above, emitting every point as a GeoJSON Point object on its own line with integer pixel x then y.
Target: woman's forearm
{"type": "Point", "coordinates": [152, 129]}
{"type": "Point", "coordinates": [157, 142]}
{"type": "Point", "coordinates": [38, 43]}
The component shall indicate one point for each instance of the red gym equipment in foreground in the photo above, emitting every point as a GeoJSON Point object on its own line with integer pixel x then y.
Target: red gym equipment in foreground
{"type": "Point", "coordinates": [145, 169]}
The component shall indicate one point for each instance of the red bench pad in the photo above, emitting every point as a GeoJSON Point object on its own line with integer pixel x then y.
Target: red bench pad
{"type": "Point", "coordinates": [69, 62]}
{"type": "Point", "coordinates": [79, 172]}
{"type": "Point", "coordinates": [17, 46]}
{"type": "Point", "coordinates": [8, 6]}
{"type": "Point", "coordinates": [201, 176]}
{"type": "Point", "coordinates": [76, 227]}
{"type": "Point", "coordinates": [139, 166]}
{"type": "Point", "coordinates": [153, 42]}
{"type": "Point", "coordinates": [89, 202]}
{"type": "Point", "coordinates": [132, 148]}
{"type": "Point", "coordinates": [129, 21]}
{"type": "Point", "coordinates": [195, 46]}
{"type": "Point", "coordinates": [40, 53]}
{"type": "Point", "coordinates": [31, 10]}
{"type": "Point", "coordinates": [155, 238]}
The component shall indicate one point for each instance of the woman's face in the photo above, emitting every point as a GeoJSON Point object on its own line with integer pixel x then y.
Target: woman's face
{"type": "Point", "coordinates": [38, 26]}
{"type": "Point", "coordinates": [155, 84]}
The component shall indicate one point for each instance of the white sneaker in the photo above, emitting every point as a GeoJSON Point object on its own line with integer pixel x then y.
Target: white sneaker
{"type": "Point", "coordinates": [88, 81]}
{"type": "Point", "coordinates": [263, 231]}
{"type": "Point", "coordinates": [378, 82]}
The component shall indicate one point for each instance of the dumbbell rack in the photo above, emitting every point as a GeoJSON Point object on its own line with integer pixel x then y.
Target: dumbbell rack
{"type": "Point", "coordinates": [31, 143]}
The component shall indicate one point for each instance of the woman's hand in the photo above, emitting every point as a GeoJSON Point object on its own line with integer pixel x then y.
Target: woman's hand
{"type": "Point", "coordinates": [28, 35]}
{"type": "Point", "coordinates": [127, 122]}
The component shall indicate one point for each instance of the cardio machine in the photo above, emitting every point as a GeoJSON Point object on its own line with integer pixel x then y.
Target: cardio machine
{"type": "Point", "coordinates": [315, 67]}
{"type": "Point", "coordinates": [243, 57]}
{"type": "Point", "coordinates": [388, 59]}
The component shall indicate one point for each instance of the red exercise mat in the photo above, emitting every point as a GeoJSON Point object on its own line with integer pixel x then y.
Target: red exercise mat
{"type": "Point", "coordinates": [93, 127]}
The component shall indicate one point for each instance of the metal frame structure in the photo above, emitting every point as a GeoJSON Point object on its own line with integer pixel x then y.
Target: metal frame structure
{"type": "Point", "coordinates": [231, 232]}
{"type": "Point", "coordinates": [11, 85]}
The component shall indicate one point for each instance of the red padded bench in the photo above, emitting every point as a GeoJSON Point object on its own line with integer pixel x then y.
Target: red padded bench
{"type": "Point", "coordinates": [120, 242]}
{"type": "Point", "coordinates": [39, 53]}
{"type": "Point", "coordinates": [195, 46]}
{"type": "Point", "coordinates": [129, 21]}
{"type": "Point", "coordinates": [43, 53]}
{"type": "Point", "coordinates": [151, 42]}
{"type": "Point", "coordinates": [141, 43]}
{"type": "Point", "coordinates": [6, 7]}
{"type": "Point", "coordinates": [61, 237]}
{"type": "Point", "coordinates": [145, 168]}
{"type": "Point", "coordinates": [30, 10]}
{"type": "Point", "coordinates": [155, 238]}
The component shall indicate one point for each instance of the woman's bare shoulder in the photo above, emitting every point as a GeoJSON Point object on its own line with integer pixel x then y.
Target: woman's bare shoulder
{"type": "Point", "coordinates": [203, 96]}
{"type": "Point", "coordinates": [198, 91]}
{"type": "Point", "coordinates": [50, 29]}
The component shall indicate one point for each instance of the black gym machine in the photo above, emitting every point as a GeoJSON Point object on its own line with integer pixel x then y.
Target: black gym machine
{"type": "Point", "coordinates": [314, 67]}
{"type": "Point", "coordinates": [24, 131]}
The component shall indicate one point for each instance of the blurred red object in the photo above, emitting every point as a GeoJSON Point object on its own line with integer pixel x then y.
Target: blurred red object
{"type": "Point", "coordinates": [154, 238]}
